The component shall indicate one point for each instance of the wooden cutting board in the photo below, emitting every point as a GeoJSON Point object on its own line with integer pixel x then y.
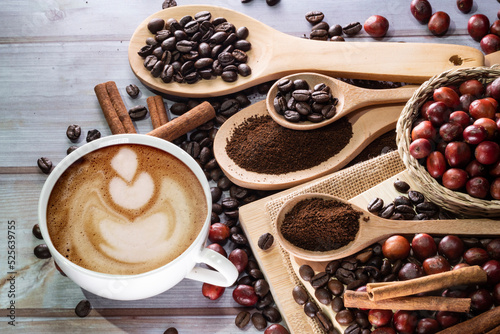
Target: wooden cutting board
{"type": "Point", "coordinates": [255, 221]}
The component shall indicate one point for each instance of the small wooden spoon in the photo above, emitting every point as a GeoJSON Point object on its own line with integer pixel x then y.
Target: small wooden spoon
{"type": "Point", "coordinates": [349, 98]}
{"type": "Point", "coordinates": [373, 228]}
{"type": "Point", "coordinates": [275, 54]}
{"type": "Point", "coordinates": [367, 124]}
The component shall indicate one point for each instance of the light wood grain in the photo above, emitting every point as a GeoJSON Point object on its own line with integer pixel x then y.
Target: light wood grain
{"type": "Point", "coordinates": [350, 98]}
{"type": "Point", "coordinates": [367, 124]}
{"type": "Point", "coordinates": [275, 54]}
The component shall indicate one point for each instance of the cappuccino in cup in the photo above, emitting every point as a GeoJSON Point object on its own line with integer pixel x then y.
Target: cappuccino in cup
{"type": "Point", "coordinates": [125, 209]}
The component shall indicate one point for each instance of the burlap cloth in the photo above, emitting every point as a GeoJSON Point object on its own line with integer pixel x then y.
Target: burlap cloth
{"type": "Point", "coordinates": [346, 184]}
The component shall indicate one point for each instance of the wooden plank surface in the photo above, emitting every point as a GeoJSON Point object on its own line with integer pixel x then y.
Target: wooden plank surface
{"type": "Point", "coordinates": [52, 54]}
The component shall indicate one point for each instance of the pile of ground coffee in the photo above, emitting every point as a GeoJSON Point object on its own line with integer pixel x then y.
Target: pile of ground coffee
{"type": "Point", "coordinates": [263, 146]}
{"type": "Point", "coordinates": [317, 224]}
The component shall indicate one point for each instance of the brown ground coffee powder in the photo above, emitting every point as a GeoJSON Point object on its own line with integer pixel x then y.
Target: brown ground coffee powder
{"type": "Point", "coordinates": [317, 224]}
{"type": "Point", "coordinates": [263, 146]}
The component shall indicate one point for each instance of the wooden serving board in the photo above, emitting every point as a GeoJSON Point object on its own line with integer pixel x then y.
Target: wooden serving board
{"type": "Point", "coordinates": [255, 221]}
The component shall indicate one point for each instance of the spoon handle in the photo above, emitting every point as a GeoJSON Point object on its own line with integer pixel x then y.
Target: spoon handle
{"type": "Point", "coordinates": [403, 62]}
{"type": "Point", "coordinates": [360, 97]}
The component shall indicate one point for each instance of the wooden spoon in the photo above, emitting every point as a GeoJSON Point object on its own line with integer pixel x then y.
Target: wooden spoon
{"type": "Point", "coordinates": [367, 124]}
{"type": "Point", "coordinates": [349, 98]}
{"type": "Point", "coordinates": [275, 54]}
{"type": "Point", "coordinates": [373, 228]}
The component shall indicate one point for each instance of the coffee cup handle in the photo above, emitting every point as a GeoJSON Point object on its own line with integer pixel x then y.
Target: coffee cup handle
{"type": "Point", "coordinates": [225, 273]}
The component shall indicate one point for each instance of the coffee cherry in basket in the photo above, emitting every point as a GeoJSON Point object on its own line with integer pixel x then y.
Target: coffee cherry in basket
{"type": "Point", "coordinates": [420, 148]}
{"type": "Point", "coordinates": [487, 152]}
{"type": "Point", "coordinates": [454, 178]}
{"type": "Point", "coordinates": [478, 187]}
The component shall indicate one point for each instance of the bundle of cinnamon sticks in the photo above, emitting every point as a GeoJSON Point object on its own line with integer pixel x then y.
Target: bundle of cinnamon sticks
{"type": "Point", "coordinates": [119, 120]}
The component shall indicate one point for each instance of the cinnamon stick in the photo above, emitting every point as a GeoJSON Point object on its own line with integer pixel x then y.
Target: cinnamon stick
{"type": "Point", "coordinates": [467, 275]}
{"type": "Point", "coordinates": [157, 111]}
{"type": "Point", "coordinates": [484, 322]}
{"type": "Point", "coordinates": [188, 121]}
{"type": "Point", "coordinates": [114, 109]}
{"type": "Point", "coordinates": [360, 299]}
{"type": "Point", "coordinates": [495, 330]}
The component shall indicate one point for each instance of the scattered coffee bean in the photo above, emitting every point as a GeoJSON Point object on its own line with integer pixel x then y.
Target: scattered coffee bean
{"type": "Point", "coordinates": [45, 165]}
{"type": "Point", "coordinates": [323, 295]}
{"type": "Point", "coordinates": [306, 272]}
{"type": "Point", "coordinates": [265, 241]}
{"type": "Point", "coordinates": [42, 251]}
{"type": "Point", "coordinates": [71, 149]}
{"type": "Point", "coordinates": [258, 320]}
{"type": "Point", "coordinates": [310, 309]}
{"type": "Point", "coordinates": [325, 322]}
{"type": "Point", "coordinates": [320, 280]}
{"type": "Point", "coordinates": [337, 304]}
{"type": "Point", "coordinates": [300, 295]}
{"type": "Point", "coordinates": [375, 205]}
{"type": "Point", "coordinates": [138, 112]}
{"type": "Point", "coordinates": [36, 231]}
{"type": "Point", "coordinates": [271, 314]}
{"type": "Point", "coordinates": [344, 317]}
{"type": "Point", "coordinates": [337, 39]}
{"type": "Point", "coordinates": [272, 2]}
{"type": "Point", "coordinates": [336, 287]}
{"type": "Point", "coordinates": [314, 17]}
{"type": "Point", "coordinates": [401, 186]}
{"type": "Point", "coordinates": [242, 319]}
{"type": "Point", "coordinates": [352, 28]}
{"type": "Point", "coordinates": [335, 30]}
{"type": "Point", "coordinates": [73, 132]}
{"type": "Point", "coordinates": [132, 90]}
{"type": "Point", "coordinates": [93, 135]}
{"type": "Point", "coordinates": [83, 308]}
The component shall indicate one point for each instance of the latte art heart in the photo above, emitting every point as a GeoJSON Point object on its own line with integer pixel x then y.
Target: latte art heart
{"type": "Point", "coordinates": [132, 196]}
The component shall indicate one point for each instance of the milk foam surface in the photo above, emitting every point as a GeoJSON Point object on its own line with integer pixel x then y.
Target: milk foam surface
{"type": "Point", "coordinates": [110, 214]}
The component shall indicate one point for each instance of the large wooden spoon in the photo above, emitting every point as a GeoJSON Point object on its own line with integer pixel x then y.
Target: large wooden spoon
{"type": "Point", "coordinates": [275, 54]}
{"type": "Point", "coordinates": [373, 228]}
{"type": "Point", "coordinates": [349, 98]}
{"type": "Point", "coordinates": [367, 124]}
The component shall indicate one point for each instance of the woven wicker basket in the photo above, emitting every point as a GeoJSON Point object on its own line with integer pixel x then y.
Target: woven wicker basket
{"type": "Point", "coordinates": [454, 201]}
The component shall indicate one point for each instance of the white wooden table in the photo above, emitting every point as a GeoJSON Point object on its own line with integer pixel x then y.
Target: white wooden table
{"type": "Point", "coordinates": [52, 54]}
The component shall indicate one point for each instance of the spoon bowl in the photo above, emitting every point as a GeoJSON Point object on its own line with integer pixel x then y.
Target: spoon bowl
{"type": "Point", "coordinates": [350, 98]}
{"type": "Point", "coordinates": [373, 228]}
{"type": "Point", "coordinates": [275, 54]}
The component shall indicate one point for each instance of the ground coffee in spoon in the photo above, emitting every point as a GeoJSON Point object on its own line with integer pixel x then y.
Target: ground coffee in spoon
{"type": "Point", "coordinates": [263, 146]}
{"type": "Point", "coordinates": [317, 224]}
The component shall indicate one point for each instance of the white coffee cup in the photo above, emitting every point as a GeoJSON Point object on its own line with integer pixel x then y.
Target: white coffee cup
{"type": "Point", "coordinates": [151, 283]}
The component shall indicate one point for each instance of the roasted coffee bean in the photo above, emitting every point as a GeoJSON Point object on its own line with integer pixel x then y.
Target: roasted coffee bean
{"type": "Point", "coordinates": [364, 255]}
{"type": "Point", "coordinates": [356, 284]}
{"type": "Point", "coordinates": [401, 186]}
{"type": "Point", "coordinates": [244, 70]}
{"type": "Point", "coordinates": [323, 295]}
{"type": "Point", "coordinates": [320, 280]}
{"type": "Point", "coordinates": [291, 116]}
{"type": "Point", "coordinates": [45, 165]}
{"type": "Point", "coordinates": [306, 272]}
{"type": "Point", "coordinates": [335, 30]}
{"type": "Point", "coordinates": [156, 25]}
{"type": "Point", "coordinates": [42, 251]}
{"type": "Point", "coordinates": [301, 94]}
{"type": "Point", "coordinates": [405, 209]}
{"type": "Point", "coordinates": [71, 149]}
{"type": "Point", "coordinates": [337, 304]}
{"type": "Point", "coordinates": [300, 295]}
{"type": "Point", "coordinates": [285, 85]}
{"type": "Point", "coordinates": [324, 321]}
{"type": "Point", "coordinates": [387, 211]}
{"type": "Point", "coordinates": [428, 208]}
{"type": "Point", "coordinates": [138, 112]}
{"type": "Point", "coordinates": [211, 165]}
{"type": "Point", "coordinates": [315, 118]}
{"type": "Point", "coordinates": [258, 320]}
{"type": "Point", "coordinates": [146, 50]}
{"type": "Point", "coordinates": [83, 308]}
{"type": "Point", "coordinates": [242, 319]}
{"type": "Point", "coordinates": [396, 266]}
{"type": "Point", "coordinates": [214, 218]}
{"type": "Point", "coordinates": [224, 183]}
{"type": "Point", "coordinates": [73, 132]}
{"type": "Point", "coordinates": [337, 39]}
{"type": "Point", "coordinates": [150, 62]}
{"type": "Point", "coordinates": [335, 287]}
{"type": "Point", "coordinates": [375, 205]}
{"type": "Point", "coordinates": [361, 319]}
{"type": "Point", "coordinates": [265, 241]}
{"type": "Point", "coordinates": [271, 314]}
{"type": "Point", "coordinates": [232, 214]}
{"type": "Point", "coordinates": [319, 35]}
{"type": "Point", "coordinates": [178, 108]}
{"type": "Point", "coordinates": [229, 76]}
{"type": "Point", "coordinates": [352, 28]}
{"type": "Point", "coordinates": [344, 317]}
{"type": "Point", "coordinates": [402, 200]}
{"type": "Point", "coordinates": [353, 329]}
{"type": "Point", "coordinates": [216, 193]}
{"type": "Point", "coordinates": [242, 32]}
{"type": "Point", "coordinates": [375, 261]}
{"type": "Point", "coordinates": [345, 276]}
{"type": "Point", "coordinates": [132, 90]}
{"type": "Point", "coordinates": [240, 239]}
{"type": "Point", "coordinates": [168, 4]}
{"type": "Point", "coordinates": [261, 287]}
{"type": "Point", "coordinates": [272, 2]}
{"type": "Point", "coordinates": [328, 111]}
{"type": "Point", "coordinates": [323, 25]}
{"type": "Point", "coordinates": [171, 330]}
{"type": "Point", "coordinates": [193, 149]}
{"type": "Point", "coordinates": [229, 203]}
{"type": "Point", "coordinates": [349, 263]}
{"type": "Point", "coordinates": [36, 231]}
{"type": "Point", "coordinates": [310, 309]}
{"type": "Point", "coordinates": [415, 197]}
{"type": "Point", "coordinates": [265, 301]}
{"type": "Point", "coordinates": [332, 267]}
{"type": "Point", "coordinates": [314, 16]}
{"type": "Point", "coordinates": [93, 135]}
{"type": "Point", "coordinates": [167, 73]}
